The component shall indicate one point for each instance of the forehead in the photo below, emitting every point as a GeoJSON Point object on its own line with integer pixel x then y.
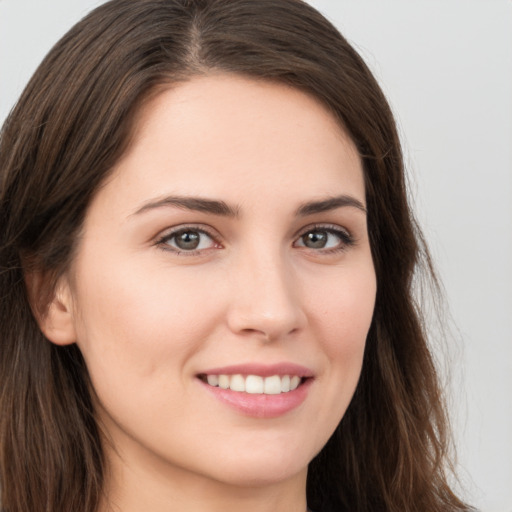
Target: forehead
{"type": "Point", "coordinates": [226, 135]}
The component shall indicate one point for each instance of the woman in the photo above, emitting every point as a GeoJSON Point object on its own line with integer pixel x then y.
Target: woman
{"type": "Point", "coordinates": [207, 259]}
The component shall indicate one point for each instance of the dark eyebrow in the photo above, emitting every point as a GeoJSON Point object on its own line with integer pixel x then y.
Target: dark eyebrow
{"type": "Point", "coordinates": [197, 204]}
{"type": "Point", "coordinates": [330, 203]}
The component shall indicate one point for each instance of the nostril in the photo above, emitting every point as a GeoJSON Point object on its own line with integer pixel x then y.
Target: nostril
{"type": "Point", "coordinates": [266, 328]}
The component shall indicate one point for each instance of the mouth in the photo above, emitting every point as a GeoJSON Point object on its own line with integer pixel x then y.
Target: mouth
{"type": "Point", "coordinates": [254, 384]}
{"type": "Point", "coordinates": [259, 390]}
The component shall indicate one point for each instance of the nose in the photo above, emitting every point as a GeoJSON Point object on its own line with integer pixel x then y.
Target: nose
{"type": "Point", "coordinates": [265, 298]}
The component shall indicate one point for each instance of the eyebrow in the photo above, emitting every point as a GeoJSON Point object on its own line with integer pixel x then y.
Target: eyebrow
{"type": "Point", "coordinates": [197, 204]}
{"type": "Point", "coordinates": [217, 207]}
{"type": "Point", "coordinates": [330, 203]}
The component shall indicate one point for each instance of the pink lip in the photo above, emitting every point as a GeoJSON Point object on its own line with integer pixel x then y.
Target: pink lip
{"type": "Point", "coordinates": [264, 370]}
{"type": "Point", "coordinates": [260, 405]}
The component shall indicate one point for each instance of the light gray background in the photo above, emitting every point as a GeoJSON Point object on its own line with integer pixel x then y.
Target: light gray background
{"type": "Point", "coordinates": [446, 66]}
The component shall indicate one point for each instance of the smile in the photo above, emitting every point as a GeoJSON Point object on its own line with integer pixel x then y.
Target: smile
{"type": "Point", "coordinates": [259, 390]}
{"type": "Point", "coordinates": [254, 384]}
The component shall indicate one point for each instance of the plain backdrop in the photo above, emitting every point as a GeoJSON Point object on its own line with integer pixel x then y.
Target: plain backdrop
{"type": "Point", "coordinates": [446, 67]}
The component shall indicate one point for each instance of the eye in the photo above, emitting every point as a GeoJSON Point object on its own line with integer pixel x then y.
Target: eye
{"type": "Point", "coordinates": [325, 238]}
{"type": "Point", "coordinates": [187, 239]}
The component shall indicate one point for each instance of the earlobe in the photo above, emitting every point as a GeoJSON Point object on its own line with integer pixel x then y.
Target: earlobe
{"type": "Point", "coordinates": [54, 314]}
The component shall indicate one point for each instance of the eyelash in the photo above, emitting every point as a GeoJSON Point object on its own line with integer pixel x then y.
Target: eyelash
{"type": "Point", "coordinates": [346, 239]}
{"type": "Point", "coordinates": [163, 241]}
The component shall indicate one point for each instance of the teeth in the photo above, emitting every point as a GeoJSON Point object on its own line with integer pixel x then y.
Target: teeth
{"type": "Point", "coordinates": [237, 383]}
{"type": "Point", "coordinates": [224, 381]}
{"type": "Point", "coordinates": [285, 384]}
{"type": "Point", "coordinates": [255, 384]}
{"type": "Point", "coordinates": [213, 380]}
{"type": "Point", "coordinates": [272, 385]}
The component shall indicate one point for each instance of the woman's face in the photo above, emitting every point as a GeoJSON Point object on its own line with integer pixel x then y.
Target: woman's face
{"type": "Point", "coordinates": [225, 262]}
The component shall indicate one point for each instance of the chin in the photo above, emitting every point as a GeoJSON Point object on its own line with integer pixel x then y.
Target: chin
{"type": "Point", "coordinates": [256, 468]}
{"type": "Point", "coordinates": [271, 474]}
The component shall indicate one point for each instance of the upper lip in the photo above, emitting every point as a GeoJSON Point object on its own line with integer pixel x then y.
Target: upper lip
{"type": "Point", "coordinates": [264, 370]}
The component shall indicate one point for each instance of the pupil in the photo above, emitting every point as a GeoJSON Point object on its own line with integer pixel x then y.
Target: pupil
{"type": "Point", "coordinates": [187, 240]}
{"type": "Point", "coordinates": [315, 239]}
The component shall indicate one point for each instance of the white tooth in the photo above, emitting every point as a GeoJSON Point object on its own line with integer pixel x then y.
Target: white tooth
{"type": "Point", "coordinates": [254, 384]}
{"type": "Point", "coordinates": [285, 384]}
{"type": "Point", "coordinates": [237, 383]}
{"type": "Point", "coordinates": [272, 385]}
{"type": "Point", "coordinates": [294, 382]}
{"type": "Point", "coordinates": [213, 380]}
{"type": "Point", "coordinates": [224, 381]}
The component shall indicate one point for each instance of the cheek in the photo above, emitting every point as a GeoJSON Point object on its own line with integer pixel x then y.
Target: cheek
{"type": "Point", "coordinates": [342, 314]}
{"type": "Point", "coordinates": [345, 312]}
{"type": "Point", "coordinates": [137, 326]}
{"type": "Point", "coordinates": [344, 320]}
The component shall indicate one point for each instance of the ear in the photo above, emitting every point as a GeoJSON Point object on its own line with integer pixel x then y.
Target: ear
{"type": "Point", "coordinates": [54, 313]}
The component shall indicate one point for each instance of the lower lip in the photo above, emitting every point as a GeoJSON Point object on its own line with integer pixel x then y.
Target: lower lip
{"type": "Point", "coordinates": [261, 405]}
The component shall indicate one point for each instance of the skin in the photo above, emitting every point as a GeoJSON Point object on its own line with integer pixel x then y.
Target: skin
{"type": "Point", "coordinates": [148, 318]}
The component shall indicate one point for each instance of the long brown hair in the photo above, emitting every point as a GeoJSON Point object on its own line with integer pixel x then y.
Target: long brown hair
{"type": "Point", "coordinates": [72, 124]}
